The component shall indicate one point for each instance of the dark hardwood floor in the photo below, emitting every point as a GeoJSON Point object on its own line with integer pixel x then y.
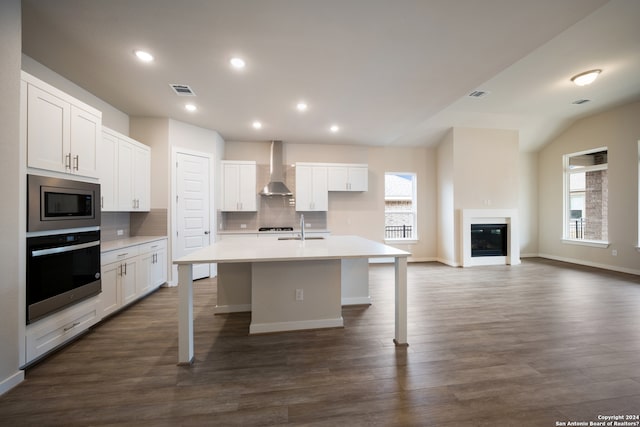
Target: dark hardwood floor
{"type": "Point", "coordinates": [527, 345]}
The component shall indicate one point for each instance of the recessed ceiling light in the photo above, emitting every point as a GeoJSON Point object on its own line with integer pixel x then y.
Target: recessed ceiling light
{"type": "Point", "coordinates": [334, 128]}
{"type": "Point", "coordinates": [144, 56]}
{"type": "Point", "coordinates": [257, 125]}
{"type": "Point", "coordinates": [190, 107]}
{"type": "Point", "coordinates": [302, 106]}
{"type": "Point", "coordinates": [237, 63]}
{"type": "Point", "coordinates": [585, 78]}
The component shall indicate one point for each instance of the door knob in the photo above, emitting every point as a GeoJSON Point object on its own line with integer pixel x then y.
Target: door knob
{"type": "Point", "coordinates": [206, 232]}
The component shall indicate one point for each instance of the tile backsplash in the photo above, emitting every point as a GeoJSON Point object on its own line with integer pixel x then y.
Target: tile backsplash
{"type": "Point", "coordinates": [152, 223]}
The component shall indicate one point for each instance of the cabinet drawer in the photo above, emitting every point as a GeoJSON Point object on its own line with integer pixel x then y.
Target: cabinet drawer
{"type": "Point", "coordinates": [46, 334]}
{"type": "Point", "coordinates": [119, 255]}
{"type": "Point", "coordinates": [152, 246]}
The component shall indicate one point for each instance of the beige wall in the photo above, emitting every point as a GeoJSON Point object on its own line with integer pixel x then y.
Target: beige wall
{"type": "Point", "coordinates": [154, 132]}
{"type": "Point", "coordinates": [619, 130]}
{"type": "Point", "coordinates": [528, 203]}
{"type": "Point", "coordinates": [13, 219]}
{"type": "Point", "coordinates": [447, 239]}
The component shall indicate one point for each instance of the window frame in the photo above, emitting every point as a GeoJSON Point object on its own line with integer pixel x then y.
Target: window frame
{"type": "Point", "coordinates": [413, 212]}
{"type": "Point", "coordinates": [566, 199]}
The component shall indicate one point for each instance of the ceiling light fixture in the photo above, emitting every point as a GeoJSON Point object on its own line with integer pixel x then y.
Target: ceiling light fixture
{"type": "Point", "coordinates": [237, 63]}
{"type": "Point", "coordinates": [334, 128]}
{"type": "Point", "coordinates": [585, 78]}
{"type": "Point", "coordinates": [257, 125]}
{"type": "Point", "coordinates": [190, 107]}
{"type": "Point", "coordinates": [302, 106]}
{"type": "Point", "coordinates": [144, 56]}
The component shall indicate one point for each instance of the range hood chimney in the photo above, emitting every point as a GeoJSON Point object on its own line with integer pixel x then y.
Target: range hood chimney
{"type": "Point", "coordinates": [276, 186]}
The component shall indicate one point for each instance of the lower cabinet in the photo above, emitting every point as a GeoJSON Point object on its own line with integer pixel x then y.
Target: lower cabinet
{"type": "Point", "coordinates": [131, 273]}
{"type": "Point", "coordinates": [52, 331]}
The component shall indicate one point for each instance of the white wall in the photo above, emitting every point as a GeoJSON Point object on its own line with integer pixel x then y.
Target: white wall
{"type": "Point", "coordinates": [11, 159]}
{"type": "Point", "coordinates": [619, 130]}
{"type": "Point", "coordinates": [111, 117]}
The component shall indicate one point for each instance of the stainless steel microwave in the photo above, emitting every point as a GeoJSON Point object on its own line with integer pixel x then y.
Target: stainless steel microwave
{"type": "Point", "coordinates": [58, 204]}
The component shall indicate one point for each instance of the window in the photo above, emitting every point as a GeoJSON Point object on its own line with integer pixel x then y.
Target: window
{"type": "Point", "coordinates": [400, 206]}
{"type": "Point", "coordinates": [586, 196]}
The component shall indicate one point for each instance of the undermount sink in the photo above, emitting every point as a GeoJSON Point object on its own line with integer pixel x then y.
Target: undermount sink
{"type": "Point", "coordinates": [298, 238]}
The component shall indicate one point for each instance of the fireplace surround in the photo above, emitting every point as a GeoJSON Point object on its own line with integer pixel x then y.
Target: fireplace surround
{"type": "Point", "coordinates": [508, 217]}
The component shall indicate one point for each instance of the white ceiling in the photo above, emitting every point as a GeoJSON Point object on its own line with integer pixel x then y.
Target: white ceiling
{"type": "Point", "coordinates": [389, 72]}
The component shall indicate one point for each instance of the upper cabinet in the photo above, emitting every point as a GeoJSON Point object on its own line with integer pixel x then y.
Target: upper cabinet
{"type": "Point", "coordinates": [311, 187]}
{"type": "Point", "coordinates": [239, 191]}
{"type": "Point", "coordinates": [125, 173]}
{"type": "Point", "coordinates": [348, 177]}
{"type": "Point", "coordinates": [62, 133]}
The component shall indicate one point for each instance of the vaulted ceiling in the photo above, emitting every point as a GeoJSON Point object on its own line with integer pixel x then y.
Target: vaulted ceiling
{"type": "Point", "coordinates": [386, 72]}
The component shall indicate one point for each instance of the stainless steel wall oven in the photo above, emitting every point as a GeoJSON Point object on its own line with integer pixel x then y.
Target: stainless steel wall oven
{"type": "Point", "coordinates": [61, 270]}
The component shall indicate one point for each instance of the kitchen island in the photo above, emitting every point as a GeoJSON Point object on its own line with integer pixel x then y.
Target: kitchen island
{"type": "Point", "coordinates": [294, 284]}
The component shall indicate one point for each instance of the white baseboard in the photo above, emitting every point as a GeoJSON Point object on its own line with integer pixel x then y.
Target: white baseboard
{"type": "Point", "coordinates": [447, 262]}
{"type": "Point", "coordinates": [263, 328]}
{"type": "Point", "coordinates": [237, 308]}
{"type": "Point", "coordinates": [592, 264]}
{"type": "Point", "coordinates": [11, 381]}
{"type": "Point", "coordinates": [356, 301]}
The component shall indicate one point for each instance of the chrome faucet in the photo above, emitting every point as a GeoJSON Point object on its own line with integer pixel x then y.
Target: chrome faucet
{"type": "Point", "coordinates": [301, 227]}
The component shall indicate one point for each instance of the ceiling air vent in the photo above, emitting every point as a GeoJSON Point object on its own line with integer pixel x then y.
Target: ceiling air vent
{"type": "Point", "coordinates": [580, 101]}
{"type": "Point", "coordinates": [478, 94]}
{"type": "Point", "coordinates": [182, 90]}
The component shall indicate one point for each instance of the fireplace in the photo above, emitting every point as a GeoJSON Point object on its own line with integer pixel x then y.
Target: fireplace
{"type": "Point", "coordinates": [496, 244]}
{"type": "Point", "coordinates": [488, 240]}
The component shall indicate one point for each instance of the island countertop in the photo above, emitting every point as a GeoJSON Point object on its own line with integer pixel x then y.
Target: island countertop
{"type": "Point", "coordinates": [272, 249]}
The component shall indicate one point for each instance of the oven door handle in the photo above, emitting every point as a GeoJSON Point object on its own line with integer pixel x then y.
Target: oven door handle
{"type": "Point", "coordinates": [62, 249]}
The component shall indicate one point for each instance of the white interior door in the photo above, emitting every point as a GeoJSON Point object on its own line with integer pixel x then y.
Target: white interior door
{"type": "Point", "coordinates": [192, 208]}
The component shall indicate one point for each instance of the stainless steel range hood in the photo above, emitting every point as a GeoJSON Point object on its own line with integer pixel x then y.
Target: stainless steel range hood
{"type": "Point", "coordinates": [276, 185]}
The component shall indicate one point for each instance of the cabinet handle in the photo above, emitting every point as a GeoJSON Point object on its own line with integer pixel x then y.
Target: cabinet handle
{"type": "Point", "coordinates": [68, 328]}
{"type": "Point", "coordinates": [67, 161]}
{"type": "Point", "coordinates": [101, 202]}
{"type": "Point", "coordinates": [77, 162]}
{"type": "Point", "coordinates": [125, 268]}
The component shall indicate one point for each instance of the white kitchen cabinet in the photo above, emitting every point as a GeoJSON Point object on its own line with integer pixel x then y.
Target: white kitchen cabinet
{"type": "Point", "coordinates": [152, 269]}
{"type": "Point", "coordinates": [62, 132]}
{"type": "Point", "coordinates": [125, 173]}
{"type": "Point", "coordinates": [107, 171]}
{"type": "Point", "coordinates": [46, 334]}
{"type": "Point", "coordinates": [239, 191]}
{"type": "Point", "coordinates": [130, 273]}
{"type": "Point", "coordinates": [311, 187]}
{"type": "Point", "coordinates": [348, 177]}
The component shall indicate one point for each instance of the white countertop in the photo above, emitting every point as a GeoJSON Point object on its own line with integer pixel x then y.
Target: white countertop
{"type": "Point", "coordinates": [129, 241]}
{"type": "Point", "coordinates": [271, 249]}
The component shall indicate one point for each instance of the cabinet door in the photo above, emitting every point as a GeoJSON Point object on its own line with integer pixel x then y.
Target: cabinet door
{"type": "Point", "coordinates": [319, 190]}
{"type": "Point", "coordinates": [125, 176]}
{"type": "Point", "coordinates": [128, 281]}
{"type": "Point", "coordinates": [159, 270]}
{"type": "Point", "coordinates": [110, 297]}
{"type": "Point", "coordinates": [358, 179]}
{"type": "Point", "coordinates": [247, 194]}
{"type": "Point", "coordinates": [85, 134]}
{"type": "Point", "coordinates": [311, 188]}
{"type": "Point", "coordinates": [231, 186]}
{"type": "Point", "coordinates": [107, 153]}
{"type": "Point", "coordinates": [142, 179]}
{"type": "Point", "coordinates": [48, 124]}
{"type": "Point", "coordinates": [337, 178]}
{"type": "Point", "coordinates": [144, 273]}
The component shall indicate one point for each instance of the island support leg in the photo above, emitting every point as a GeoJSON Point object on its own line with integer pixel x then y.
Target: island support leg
{"type": "Point", "coordinates": [401, 301]}
{"type": "Point", "coordinates": [185, 314]}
